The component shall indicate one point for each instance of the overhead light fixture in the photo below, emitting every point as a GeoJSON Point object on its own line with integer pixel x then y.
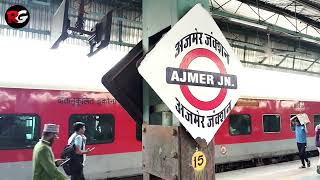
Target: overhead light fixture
{"type": "Point", "coordinates": [248, 23]}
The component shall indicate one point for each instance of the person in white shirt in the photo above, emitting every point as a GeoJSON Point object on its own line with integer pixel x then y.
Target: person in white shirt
{"type": "Point", "coordinates": [79, 140]}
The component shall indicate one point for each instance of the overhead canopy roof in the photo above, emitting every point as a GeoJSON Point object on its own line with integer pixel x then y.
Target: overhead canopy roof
{"type": "Point", "coordinates": [297, 15]}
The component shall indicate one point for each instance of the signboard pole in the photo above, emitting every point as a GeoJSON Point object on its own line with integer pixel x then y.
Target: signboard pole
{"type": "Point", "coordinates": [169, 151]}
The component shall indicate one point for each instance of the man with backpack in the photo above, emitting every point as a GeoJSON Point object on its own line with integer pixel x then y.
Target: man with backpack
{"type": "Point", "coordinates": [78, 140]}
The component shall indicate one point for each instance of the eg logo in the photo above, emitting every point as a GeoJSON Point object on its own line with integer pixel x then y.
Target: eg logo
{"type": "Point", "coordinates": [17, 16]}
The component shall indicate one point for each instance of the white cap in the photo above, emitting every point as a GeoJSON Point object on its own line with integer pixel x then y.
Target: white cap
{"type": "Point", "coordinates": [51, 128]}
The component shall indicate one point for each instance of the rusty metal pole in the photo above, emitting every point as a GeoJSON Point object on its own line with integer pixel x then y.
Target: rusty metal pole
{"type": "Point", "coordinates": [168, 149]}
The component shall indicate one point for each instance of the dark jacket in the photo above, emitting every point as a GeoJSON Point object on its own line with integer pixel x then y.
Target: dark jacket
{"type": "Point", "coordinates": [318, 138]}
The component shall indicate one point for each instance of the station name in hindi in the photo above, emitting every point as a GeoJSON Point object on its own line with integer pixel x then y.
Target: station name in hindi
{"type": "Point", "coordinates": [199, 120]}
{"type": "Point", "coordinates": [201, 38]}
{"type": "Point", "coordinates": [192, 118]}
{"type": "Point", "coordinates": [218, 118]}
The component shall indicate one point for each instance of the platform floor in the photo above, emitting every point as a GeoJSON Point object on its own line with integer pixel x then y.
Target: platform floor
{"type": "Point", "coordinates": [281, 171]}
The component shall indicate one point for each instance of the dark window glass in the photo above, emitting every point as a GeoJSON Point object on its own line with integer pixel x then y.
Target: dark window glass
{"type": "Point", "coordinates": [19, 131]}
{"type": "Point", "coordinates": [99, 127]}
{"type": "Point", "coordinates": [239, 124]}
{"type": "Point", "coordinates": [316, 120]}
{"type": "Point", "coordinates": [271, 123]}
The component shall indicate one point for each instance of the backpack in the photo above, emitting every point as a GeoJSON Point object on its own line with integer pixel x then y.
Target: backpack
{"type": "Point", "coordinates": [68, 152]}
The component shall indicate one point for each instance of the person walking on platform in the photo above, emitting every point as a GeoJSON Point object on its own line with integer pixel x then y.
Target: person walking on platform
{"type": "Point", "coordinates": [317, 130]}
{"type": "Point", "coordinates": [301, 138]}
{"type": "Point", "coordinates": [79, 140]}
{"type": "Point", "coordinates": [43, 165]}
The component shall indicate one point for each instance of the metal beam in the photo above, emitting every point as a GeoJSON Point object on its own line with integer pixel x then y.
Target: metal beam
{"type": "Point", "coordinates": [280, 67]}
{"type": "Point", "coordinates": [128, 4]}
{"type": "Point", "coordinates": [284, 58]}
{"type": "Point", "coordinates": [309, 4]}
{"type": "Point", "coordinates": [312, 64]}
{"type": "Point", "coordinates": [223, 16]}
{"type": "Point", "coordinates": [72, 36]}
{"type": "Point", "coordinates": [111, 42]}
{"type": "Point", "coordinates": [264, 59]}
{"type": "Point", "coordinates": [282, 11]}
{"type": "Point", "coordinates": [26, 29]}
{"type": "Point", "coordinates": [138, 24]}
{"type": "Point", "coordinates": [259, 50]}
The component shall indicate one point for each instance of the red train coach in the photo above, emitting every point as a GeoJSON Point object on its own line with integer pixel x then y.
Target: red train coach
{"type": "Point", "coordinates": [255, 129]}
{"type": "Point", "coordinates": [23, 113]}
{"type": "Point", "coordinates": [258, 130]}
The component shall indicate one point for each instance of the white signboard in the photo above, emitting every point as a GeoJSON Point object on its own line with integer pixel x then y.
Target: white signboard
{"type": "Point", "coordinates": [194, 71]}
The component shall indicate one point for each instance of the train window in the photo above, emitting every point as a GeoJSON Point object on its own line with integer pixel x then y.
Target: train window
{"type": "Point", "coordinates": [316, 120]}
{"type": "Point", "coordinates": [19, 131]}
{"type": "Point", "coordinates": [271, 123]}
{"type": "Point", "coordinates": [99, 127]}
{"type": "Point", "coordinates": [239, 124]}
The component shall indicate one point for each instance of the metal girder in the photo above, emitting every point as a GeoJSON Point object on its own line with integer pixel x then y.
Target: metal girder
{"type": "Point", "coordinates": [316, 60]}
{"type": "Point", "coordinates": [280, 67]}
{"type": "Point", "coordinates": [137, 24]}
{"type": "Point", "coordinates": [111, 42]}
{"type": "Point", "coordinates": [26, 29]}
{"type": "Point", "coordinates": [127, 4]}
{"type": "Point", "coordinates": [309, 4]}
{"type": "Point", "coordinates": [284, 58]}
{"type": "Point", "coordinates": [72, 36]}
{"type": "Point", "coordinates": [264, 59]}
{"type": "Point", "coordinates": [282, 11]}
{"type": "Point", "coordinates": [261, 63]}
{"type": "Point", "coordinates": [222, 16]}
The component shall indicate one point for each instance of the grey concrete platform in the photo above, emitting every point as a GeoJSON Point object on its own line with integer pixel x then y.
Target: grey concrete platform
{"type": "Point", "coordinates": [281, 171]}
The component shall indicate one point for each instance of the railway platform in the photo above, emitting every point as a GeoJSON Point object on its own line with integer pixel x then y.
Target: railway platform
{"type": "Point", "coordinates": [281, 171]}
